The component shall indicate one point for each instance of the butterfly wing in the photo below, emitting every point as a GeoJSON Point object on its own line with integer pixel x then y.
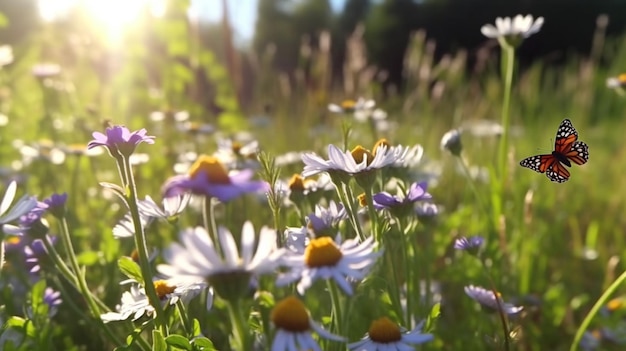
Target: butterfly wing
{"type": "Point", "coordinates": [557, 173]}
{"type": "Point", "coordinates": [579, 153]}
{"type": "Point", "coordinates": [566, 136]}
{"type": "Point", "coordinates": [539, 163]}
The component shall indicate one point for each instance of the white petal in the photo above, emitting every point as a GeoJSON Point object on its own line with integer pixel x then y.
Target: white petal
{"type": "Point", "coordinates": [247, 242]}
{"type": "Point", "coordinates": [9, 194]}
{"type": "Point", "coordinates": [229, 247]}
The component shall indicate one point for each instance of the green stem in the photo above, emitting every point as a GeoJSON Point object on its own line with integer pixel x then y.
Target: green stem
{"type": "Point", "coordinates": [241, 333]}
{"type": "Point", "coordinates": [347, 203]}
{"type": "Point", "coordinates": [372, 213]}
{"type": "Point", "coordinates": [509, 64]}
{"type": "Point", "coordinates": [336, 306]}
{"type": "Point", "coordinates": [77, 279]}
{"type": "Point", "coordinates": [142, 247]}
{"type": "Point", "coordinates": [501, 314]}
{"type": "Point", "coordinates": [594, 310]}
{"type": "Point", "coordinates": [184, 318]}
{"type": "Point", "coordinates": [472, 184]}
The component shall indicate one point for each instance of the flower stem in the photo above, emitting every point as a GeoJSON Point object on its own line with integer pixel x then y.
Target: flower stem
{"type": "Point", "coordinates": [77, 279]}
{"type": "Point", "coordinates": [596, 307]}
{"type": "Point", "coordinates": [503, 319]}
{"type": "Point", "coordinates": [345, 195]}
{"type": "Point", "coordinates": [508, 52]}
{"type": "Point", "coordinates": [241, 334]}
{"type": "Point", "coordinates": [472, 184]}
{"type": "Point", "coordinates": [142, 247]}
{"type": "Point", "coordinates": [335, 301]}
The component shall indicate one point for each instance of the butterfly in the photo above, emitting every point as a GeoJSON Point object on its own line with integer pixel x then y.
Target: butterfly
{"type": "Point", "coordinates": [567, 149]}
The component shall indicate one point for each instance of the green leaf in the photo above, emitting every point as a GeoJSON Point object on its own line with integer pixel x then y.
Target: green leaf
{"type": "Point", "coordinates": [203, 344]}
{"type": "Point", "coordinates": [130, 268]}
{"type": "Point", "coordinates": [196, 327]}
{"type": "Point", "coordinates": [158, 343]}
{"type": "Point", "coordinates": [88, 258]}
{"type": "Point", "coordinates": [179, 341]}
{"type": "Point", "coordinates": [432, 316]}
{"type": "Point", "coordinates": [16, 322]}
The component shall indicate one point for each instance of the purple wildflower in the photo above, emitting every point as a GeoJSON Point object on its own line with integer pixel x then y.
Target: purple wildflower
{"type": "Point", "coordinates": [471, 244]}
{"type": "Point", "coordinates": [326, 220]}
{"type": "Point", "coordinates": [35, 252]}
{"type": "Point", "coordinates": [120, 140]}
{"type": "Point", "coordinates": [208, 177]}
{"type": "Point", "coordinates": [52, 299]}
{"type": "Point", "coordinates": [417, 192]}
{"type": "Point", "coordinates": [56, 204]}
{"type": "Point", "coordinates": [487, 298]}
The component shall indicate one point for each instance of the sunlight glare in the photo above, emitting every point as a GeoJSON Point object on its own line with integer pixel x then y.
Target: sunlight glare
{"type": "Point", "coordinates": [113, 16]}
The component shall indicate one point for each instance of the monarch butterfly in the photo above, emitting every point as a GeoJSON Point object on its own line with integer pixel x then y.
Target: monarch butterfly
{"type": "Point", "coordinates": [567, 148]}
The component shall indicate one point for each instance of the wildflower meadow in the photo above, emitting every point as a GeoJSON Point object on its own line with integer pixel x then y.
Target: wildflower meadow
{"type": "Point", "coordinates": [473, 209]}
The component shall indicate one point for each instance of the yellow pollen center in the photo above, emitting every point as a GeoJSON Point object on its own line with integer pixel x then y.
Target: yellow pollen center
{"type": "Point", "coordinates": [322, 252]}
{"type": "Point", "coordinates": [212, 168]}
{"type": "Point", "coordinates": [359, 153]}
{"type": "Point", "coordinates": [236, 146]}
{"type": "Point", "coordinates": [362, 200]}
{"type": "Point", "coordinates": [162, 288]}
{"type": "Point", "coordinates": [13, 240]}
{"type": "Point", "coordinates": [296, 183]}
{"type": "Point", "coordinates": [384, 331]}
{"type": "Point", "coordinates": [348, 104]}
{"type": "Point", "coordinates": [291, 315]}
{"type": "Point", "coordinates": [622, 78]}
{"type": "Point", "coordinates": [614, 304]}
{"type": "Point", "coordinates": [380, 143]}
{"type": "Point", "coordinates": [135, 255]}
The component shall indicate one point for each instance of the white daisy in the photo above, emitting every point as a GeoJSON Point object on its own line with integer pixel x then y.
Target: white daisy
{"type": "Point", "coordinates": [412, 157]}
{"type": "Point", "coordinates": [358, 160]}
{"type": "Point", "coordinates": [520, 26]}
{"type": "Point", "coordinates": [172, 206]}
{"type": "Point", "coordinates": [385, 335]}
{"type": "Point", "coordinates": [135, 302]}
{"type": "Point", "coordinates": [350, 106]}
{"type": "Point", "coordinates": [23, 206]}
{"type": "Point", "coordinates": [294, 327]}
{"type": "Point", "coordinates": [236, 154]}
{"type": "Point", "coordinates": [198, 258]}
{"type": "Point", "coordinates": [324, 259]}
{"type": "Point", "coordinates": [125, 228]}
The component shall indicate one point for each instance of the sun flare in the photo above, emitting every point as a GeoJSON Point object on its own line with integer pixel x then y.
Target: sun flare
{"type": "Point", "coordinates": [113, 16]}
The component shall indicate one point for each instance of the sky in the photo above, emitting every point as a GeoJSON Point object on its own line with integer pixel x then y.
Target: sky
{"type": "Point", "coordinates": [242, 13]}
{"type": "Point", "coordinates": [116, 14]}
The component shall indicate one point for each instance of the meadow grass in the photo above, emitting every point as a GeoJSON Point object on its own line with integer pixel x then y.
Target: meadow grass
{"type": "Point", "coordinates": [551, 248]}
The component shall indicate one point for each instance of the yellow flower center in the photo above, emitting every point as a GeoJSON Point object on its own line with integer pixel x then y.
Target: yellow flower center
{"type": "Point", "coordinates": [348, 104]}
{"type": "Point", "coordinates": [13, 240]}
{"type": "Point", "coordinates": [162, 288]}
{"type": "Point", "coordinates": [362, 200]}
{"type": "Point", "coordinates": [236, 146]}
{"type": "Point", "coordinates": [322, 252]}
{"type": "Point", "coordinates": [214, 170]}
{"type": "Point", "coordinates": [614, 304]}
{"type": "Point", "coordinates": [380, 143]}
{"type": "Point", "coordinates": [291, 315]}
{"type": "Point", "coordinates": [384, 331]}
{"type": "Point", "coordinates": [135, 255]}
{"type": "Point", "coordinates": [622, 78]}
{"type": "Point", "coordinates": [359, 153]}
{"type": "Point", "coordinates": [296, 183]}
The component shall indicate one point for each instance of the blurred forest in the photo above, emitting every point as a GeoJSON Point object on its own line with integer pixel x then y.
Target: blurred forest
{"type": "Point", "coordinates": [374, 35]}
